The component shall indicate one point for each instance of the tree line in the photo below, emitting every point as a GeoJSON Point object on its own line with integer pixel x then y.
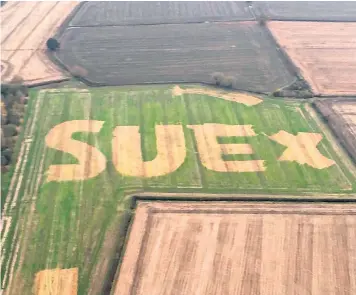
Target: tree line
{"type": "Point", "coordinates": [14, 96]}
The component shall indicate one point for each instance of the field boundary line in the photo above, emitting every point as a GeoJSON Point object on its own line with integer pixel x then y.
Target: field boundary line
{"type": "Point", "coordinates": [232, 20]}
{"type": "Point", "coordinates": [152, 196]}
{"type": "Point", "coordinates": [309, 20]}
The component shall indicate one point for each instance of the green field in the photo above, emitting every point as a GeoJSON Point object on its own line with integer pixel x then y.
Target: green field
{"type": "Point", "coordinates": [77, 224]}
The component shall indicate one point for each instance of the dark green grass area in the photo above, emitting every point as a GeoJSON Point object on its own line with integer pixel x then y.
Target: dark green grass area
{"type": "Point", "coordinates": [69, 224]}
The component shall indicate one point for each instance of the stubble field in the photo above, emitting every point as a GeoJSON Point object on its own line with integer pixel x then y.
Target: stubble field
{"type": "Point", "coordinates": [323, 51]}
{"type": "Point", "coordinates": [122, 55]}
{"type": "Point", "coordinates": [240, 248]}
{"type": "Point", "coordinates": [66, 205]}
{"type": "Point", "coordinates": [25, 28]}
{"type": "Point", "coordinates": [158, 12]}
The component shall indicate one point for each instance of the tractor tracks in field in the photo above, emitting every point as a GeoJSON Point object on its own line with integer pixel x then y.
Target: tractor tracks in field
{"type": "Point", "coordinates": [19, 218]}
{"type": "Point", "coordinates": [17, 177]}
{"type": "Point", "coordinates": [15, 216]}
{"type": "Point", "coordinates": [11, 204]}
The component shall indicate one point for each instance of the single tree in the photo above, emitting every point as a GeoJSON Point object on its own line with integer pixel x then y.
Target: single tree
{"type": "Point", "coordinates": [7, 153]}
{"type": "Point", "coordinates": [4, 161]}
{"type": "Point", "coordinates": [217, 78]}
{"type": "Point", "coordinates": [78, 72]}
{"type": "Point", "coordinates": [52, 44]}
{"type": "Point", "coordinates": [9, 130]}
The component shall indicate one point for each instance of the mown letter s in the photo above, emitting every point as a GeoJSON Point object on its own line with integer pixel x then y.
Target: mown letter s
{"type": "Point", "coordinates": [91, 161]}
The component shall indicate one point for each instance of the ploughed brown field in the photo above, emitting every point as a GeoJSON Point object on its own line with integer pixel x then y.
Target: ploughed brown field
{"type": "Point", "coordinates": [240, 248]}
{"type": "Point", "coordinates": [324, 52]}
{"type": "Point", "coordinates": [136, 54]}
{"type": "Point", "coordinates": [25, 28]}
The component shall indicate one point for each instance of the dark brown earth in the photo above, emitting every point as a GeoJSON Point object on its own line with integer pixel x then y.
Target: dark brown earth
{"type": "Point", "coordinates": [101, 13]}
{"type": "Point", "coordinates": [176, 53]}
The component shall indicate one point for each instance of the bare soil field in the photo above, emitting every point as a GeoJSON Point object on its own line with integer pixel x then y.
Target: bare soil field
{"type": "Point", "coordinates": [341, 117]}
{"type": "Point", "coordinates": [307, 10]}
{"type": "Point", "coordinates": [240, 248]}
{"type": "Point", "coordinates": [25, 28]}
{"type": "Point", "coordinates": [158, 12]}
{"type": "Point", "coordinates": [324, 52]}
{"type": "Point", "coordinates": [180, 53]}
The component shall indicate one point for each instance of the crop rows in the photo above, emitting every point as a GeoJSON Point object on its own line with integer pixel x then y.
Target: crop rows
{"type": "Point", "coordinates": [239, 248]}
{"type": "Point", "coordinates": [324, 52]}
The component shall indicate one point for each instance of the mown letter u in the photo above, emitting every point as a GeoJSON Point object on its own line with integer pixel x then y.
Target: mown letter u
{"type": "Point", "coordinates": [127, 154]}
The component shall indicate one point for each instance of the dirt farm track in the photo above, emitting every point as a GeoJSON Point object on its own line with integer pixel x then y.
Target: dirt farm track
{"type": "Point", "coordinates": [25, 28]}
